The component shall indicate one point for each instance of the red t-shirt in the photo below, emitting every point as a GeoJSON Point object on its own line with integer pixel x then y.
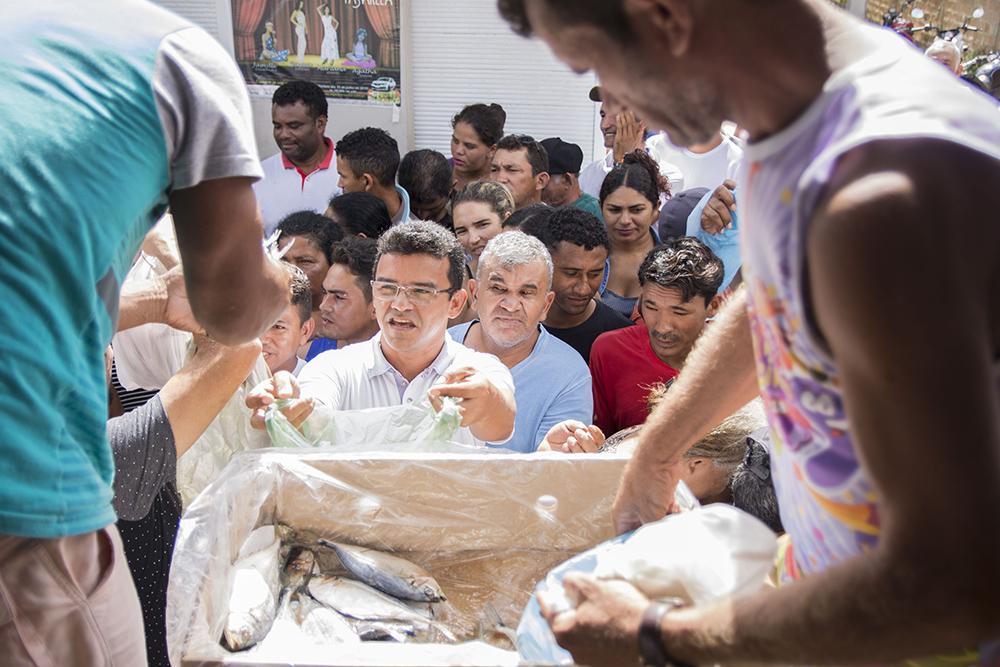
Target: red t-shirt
{"type": "Point", "coordinates": [624, 368]}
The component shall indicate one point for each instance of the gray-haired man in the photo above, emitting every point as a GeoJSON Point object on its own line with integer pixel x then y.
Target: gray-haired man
{"type": "Point", "coordinates": [512, 293]}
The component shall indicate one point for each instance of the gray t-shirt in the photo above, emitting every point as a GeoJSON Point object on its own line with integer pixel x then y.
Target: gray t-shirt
{"type": "Point", "coordinates": [145, 458]}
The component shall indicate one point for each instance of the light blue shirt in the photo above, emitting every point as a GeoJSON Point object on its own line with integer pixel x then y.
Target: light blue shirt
{"type": "Point", "coordinates": [550, 386]}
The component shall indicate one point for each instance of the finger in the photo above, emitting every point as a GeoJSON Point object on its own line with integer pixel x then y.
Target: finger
{"type": "Point", "coordinates": [456, 375]}
{"type": "Point", "coordinates": [596, 433]}
{"type": "Point", "coordinates": [710, 220]}
{"type": "Point", "coordinates": [435, 400]}
{"type": "Point", "coordinates": [463, 413]}
{"type": "Point", "coordinates": [725, 195]}
{"type": "Point", "coordinates": [298, 411]}
{"type": "Point", "coordinates": [257, 421]}
{"type": "Point", "coordinates": [586, 442]}
{"type": "Point", "coordinates": [579, 587]}
{"type": "Point", "coordinates": [285, 385]}
{"type": "Point", "coordinates": [562, 624]}
{"type": "Point", "coordinates": [463, 389]}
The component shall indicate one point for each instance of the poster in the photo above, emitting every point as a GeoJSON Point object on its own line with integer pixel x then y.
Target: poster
{"type": "Point", "coordinates": [349, 48]}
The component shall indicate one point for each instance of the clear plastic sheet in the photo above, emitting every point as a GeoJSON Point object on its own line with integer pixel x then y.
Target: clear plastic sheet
{"type": "Point", "coordinates": [415, 427]}
{"type": "Point", "coordinates": [474, 521]}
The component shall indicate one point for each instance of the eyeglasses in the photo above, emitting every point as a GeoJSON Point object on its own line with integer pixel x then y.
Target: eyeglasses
{"type": "Point", "coordinates": [387, 291]}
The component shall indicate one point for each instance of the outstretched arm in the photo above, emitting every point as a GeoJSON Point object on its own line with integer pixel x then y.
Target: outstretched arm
{"type": "Point", "coordinates": [717, 380]}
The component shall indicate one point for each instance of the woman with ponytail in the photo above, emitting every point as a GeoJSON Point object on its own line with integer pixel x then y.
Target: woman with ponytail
{"type": "Point", "coordinates": [476, 129]}
{"type": "Point", "coordinates": [630, 201]}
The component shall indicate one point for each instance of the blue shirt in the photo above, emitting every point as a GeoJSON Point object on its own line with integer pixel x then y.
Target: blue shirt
{"type": "Point", "coordinates": [551, 385]}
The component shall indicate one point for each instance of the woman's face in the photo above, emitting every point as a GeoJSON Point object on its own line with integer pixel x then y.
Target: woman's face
{"type": "Point", "coordinates": [628, 214]}
{"type": "Point", "coordinates": [468, 152]}
{"type": "Point", "coordinates": [475, 224]}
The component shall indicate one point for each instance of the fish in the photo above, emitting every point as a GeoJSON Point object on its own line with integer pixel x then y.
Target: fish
{"type": "Point", "coordinates": [254, 593]}
{"type": "Point", "coordinates": [322, 625]}
{"type": "Point", "coordinates": [298, 568]}
{"type": "Point", "coordinates": [390, 574]}
{"type": "Point", "coordinates": [364, 603]}
{"type": "Point", "coordinates": [378, 631]}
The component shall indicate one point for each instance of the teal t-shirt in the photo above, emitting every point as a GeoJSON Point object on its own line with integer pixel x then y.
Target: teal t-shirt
{"type": "Point", "coordinates": [589, 203]}
{"type": "Point", "coordinates": [84, 177]}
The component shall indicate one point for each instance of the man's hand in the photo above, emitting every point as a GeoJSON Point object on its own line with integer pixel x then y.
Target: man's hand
{"type": "Point", "coordinates": [572, 437]}
{"type": "Point", "coordinates": [282, 385]}
{"type": "Point", "coordinates": [646, 493]}
{"type": "Point", "coordinates": [604, 627]}
{"type": "Point", "coordinates": [176, 307]}
{"type": "Point", "coordinates": [478, 395]}
{"type": "Point", "coordinates": [717, 214]}
{"type": "Point", "coordinates": [630, 135]}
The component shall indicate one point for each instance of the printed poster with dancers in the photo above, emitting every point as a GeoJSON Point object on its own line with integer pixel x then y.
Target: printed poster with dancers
{"type": "Point", "coordinates": [349, 48]}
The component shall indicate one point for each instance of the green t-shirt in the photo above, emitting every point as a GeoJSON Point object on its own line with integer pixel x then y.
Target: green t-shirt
{"type": "Point", "coordinates": [589, 203]}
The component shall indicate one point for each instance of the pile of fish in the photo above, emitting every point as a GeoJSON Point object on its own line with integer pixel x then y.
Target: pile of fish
{"type": "Point", "coordinates": [278, 600]}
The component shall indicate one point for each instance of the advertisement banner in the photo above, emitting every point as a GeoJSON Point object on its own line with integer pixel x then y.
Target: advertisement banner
{"type": "Point", "coordinates": [349, 48]}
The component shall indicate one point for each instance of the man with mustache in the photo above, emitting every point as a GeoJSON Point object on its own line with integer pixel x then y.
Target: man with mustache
{"type": "Point", "coordinates": [418, 285]}
{"type": "Point", "coordinates": [870, 334]}
{"type": "Point", "coordinates": [512, 294]}
{"type": "Point", "coordinates": [680, 283]}
{"type": "Point", "coordinates": [299, 177]}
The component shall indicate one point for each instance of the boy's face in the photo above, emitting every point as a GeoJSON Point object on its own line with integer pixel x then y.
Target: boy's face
{"type": "Point", "coordinates": [280, 343]}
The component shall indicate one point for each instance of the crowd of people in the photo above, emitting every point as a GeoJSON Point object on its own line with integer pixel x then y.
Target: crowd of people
{"type": "Point", "coordinates": [777, 359]}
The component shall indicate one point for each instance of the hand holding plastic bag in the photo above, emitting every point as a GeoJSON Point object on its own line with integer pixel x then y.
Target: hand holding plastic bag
{"type": "Point", "coordinates": [702, 555]}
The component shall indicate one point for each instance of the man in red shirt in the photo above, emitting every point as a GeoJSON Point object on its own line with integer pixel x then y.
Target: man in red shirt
{"type": "Point", "coordinates": [680, 281]}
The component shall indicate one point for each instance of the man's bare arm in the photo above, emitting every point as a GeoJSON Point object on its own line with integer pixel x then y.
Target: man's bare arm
{"type": "Point", "coordinates": [236, 291]}
{"type": "Point", "coordinates": [196, 394]}
{"type": "Point", "coordinates": [903, 300]}
{"type": "Point", "coordinates": [717, 380]}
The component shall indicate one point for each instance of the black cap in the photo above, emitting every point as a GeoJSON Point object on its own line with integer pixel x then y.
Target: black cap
{"type": "Point", "coordinates": [595, 94]}
{"type": "Point", "coordinates": [564, 157]}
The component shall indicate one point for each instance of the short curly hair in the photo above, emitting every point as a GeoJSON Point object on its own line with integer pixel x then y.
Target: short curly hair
{"type": "Point", "coordinates": [319, 229]}
{"type": "Point", "coordinates": [569, 224]}
{"type": "Point", "coordinates": [425, 175]}
{"type": "Point", "coordinates": [306, 92]}
{"type": "Point", "coordinates": [426, 238]}
{"type": "Point", "coordinates": [301, 292]}
{"type": "Point", "coordinates": [361, 213]}
{"type": "Point", "coordinates": [371, 150]}
{"type": "Point", "coordinates": [684, 264]}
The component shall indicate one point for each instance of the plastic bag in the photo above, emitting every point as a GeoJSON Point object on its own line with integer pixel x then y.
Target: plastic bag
{"type": "Point", "coordinates": [416, 427]}
{"type": "Point", "coordinates": [228, 434]}
{"type": "Point", "coordinates": [721, 551]}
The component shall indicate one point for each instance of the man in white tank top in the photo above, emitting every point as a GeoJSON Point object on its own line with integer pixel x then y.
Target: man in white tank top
{"type": "Point", "coordinates": [870, 327]}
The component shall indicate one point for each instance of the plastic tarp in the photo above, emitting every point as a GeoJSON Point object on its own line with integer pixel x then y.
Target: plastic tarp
{"type": "Point", "coordinates": [475, 521]}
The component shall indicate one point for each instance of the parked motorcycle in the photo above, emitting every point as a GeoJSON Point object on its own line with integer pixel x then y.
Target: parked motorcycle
{"type": "Point", "coordinates": [896, 19]}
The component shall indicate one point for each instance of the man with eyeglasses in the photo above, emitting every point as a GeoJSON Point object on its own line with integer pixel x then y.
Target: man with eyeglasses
{"type": "Point", "coordinates": [417, 288]}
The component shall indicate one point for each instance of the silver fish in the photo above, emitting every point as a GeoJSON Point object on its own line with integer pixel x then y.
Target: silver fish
{"type": "Point", "coordinates": [377, 631]}
{"type": "Point", "coordinates": [364, 603]}
{"type": "Point", "coordinates": [323, 625]}
{"type": "Point", "coordinates": [388, 573]}
{"type": "Point", "coordinates": [253, 600]}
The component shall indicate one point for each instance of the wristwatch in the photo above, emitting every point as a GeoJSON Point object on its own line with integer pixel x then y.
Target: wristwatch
{"type": "Point", "coordinates": [652, 652]}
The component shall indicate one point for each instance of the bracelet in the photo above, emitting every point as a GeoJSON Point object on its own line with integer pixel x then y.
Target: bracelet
{"type": "Point", "coordinates": [651, 648]}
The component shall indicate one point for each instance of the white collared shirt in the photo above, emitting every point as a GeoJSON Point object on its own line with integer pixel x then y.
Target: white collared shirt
{"type": "Point", "coordinates": [359, 376]}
